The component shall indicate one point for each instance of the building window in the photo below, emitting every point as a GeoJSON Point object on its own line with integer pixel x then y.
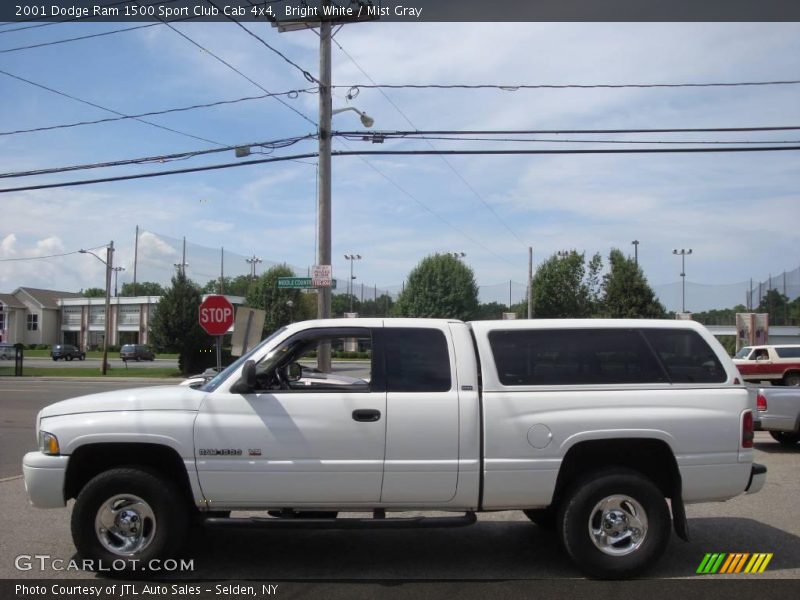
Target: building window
{"type": "Point", "coordinates": [33, 322]}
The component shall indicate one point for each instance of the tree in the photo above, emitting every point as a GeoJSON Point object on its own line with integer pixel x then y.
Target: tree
{"type": "Point", "coordinates": [564, 286]}
{"type": "Point", "coordinates": [626, 293]}
{"type": "Point", "coordinates": [492, 310]}
{"type": "Point", "coordinates": [440, 286]}
{"type": "Point", "coordinates": [340, 304]}
{"type": "Point", "coordinates": [233, 286]}
{"type": "Point", "coordinates": [143, 288]}
{"type": "Point", "coordinates": [264, 294]}
{"type": "Point", "coordinates": [94, 293]}
{"type": "Point", "coordinates": [777, 305]}
{"type": "Point", "coordinates": [175, 326]}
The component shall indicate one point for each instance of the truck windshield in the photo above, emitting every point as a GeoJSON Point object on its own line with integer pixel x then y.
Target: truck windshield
{"type": "Point", "coordinates": [743, 352]}
{"type": "Point", "coordinates": [214, 383]}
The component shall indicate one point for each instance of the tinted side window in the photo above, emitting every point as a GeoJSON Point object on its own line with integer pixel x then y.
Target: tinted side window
{"type": "Point", "coordinates": [417, 360]}
{"type": "Point", "coordinates": [786, 352]}
{"type": "Point", "coordinates": [686, 356]}
{"type": "Point", "coordinates": [573, 356]}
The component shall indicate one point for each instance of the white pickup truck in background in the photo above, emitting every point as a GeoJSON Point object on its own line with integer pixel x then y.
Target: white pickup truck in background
{"type": "Point", "coordinates": [588, 426]}
{"type": "Point", "coordinates": [779, 413]}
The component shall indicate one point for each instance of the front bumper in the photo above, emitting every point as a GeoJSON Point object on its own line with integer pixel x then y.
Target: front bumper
{"type": "Point", "coordinates": [758, 476]}
{"type": "Point", "coordinates": [44, 479]}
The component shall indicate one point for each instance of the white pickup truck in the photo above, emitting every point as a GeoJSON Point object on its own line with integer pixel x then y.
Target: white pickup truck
{"type": "Point", "coordinates": [588, 426]}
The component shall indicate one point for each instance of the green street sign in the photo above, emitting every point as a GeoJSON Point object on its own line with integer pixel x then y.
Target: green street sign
{"type": "Point", "coordinates": [298, 283]}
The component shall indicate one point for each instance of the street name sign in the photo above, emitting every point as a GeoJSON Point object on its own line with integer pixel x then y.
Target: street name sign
{"type": "Point", "coordinates": [300, 283]}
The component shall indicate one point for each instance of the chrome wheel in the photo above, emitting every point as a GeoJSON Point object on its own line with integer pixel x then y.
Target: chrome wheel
{"type": "Point", "coordinates": [125, 525]}
{"type": "Point", "coordinates": [618, 525]}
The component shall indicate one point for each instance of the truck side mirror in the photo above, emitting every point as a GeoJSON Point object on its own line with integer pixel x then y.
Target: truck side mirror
{"type": "Point", "coordinates": [295, 371]}
{"type": "Point", "coordinates": [247, 382]}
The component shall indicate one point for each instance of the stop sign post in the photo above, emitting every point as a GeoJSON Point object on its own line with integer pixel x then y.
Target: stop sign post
{"type": "Point", "coordinates": [216, 317]}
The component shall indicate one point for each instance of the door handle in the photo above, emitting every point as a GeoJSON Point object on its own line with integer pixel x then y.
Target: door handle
{"type": "Point", "coordinates": [366, 415]}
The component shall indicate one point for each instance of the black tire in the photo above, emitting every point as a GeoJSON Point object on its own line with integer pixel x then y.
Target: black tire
{"type": "Point", "coordinates": [81, 357]}
{"type": "Point", "coordinates": [70, 357]}
{"type": "Point", "coordinates": [581, 511]}
{"type": "Point", "coordinates": [786, 438]}
{"type": "Point", "coordinates": [163, 531]}
{"type": "Point", "coordinates": [55, 359]}
{"type": "Point", "coordinates": [543, 517]}
{"type": "Point", "coordinates": [792, 379]}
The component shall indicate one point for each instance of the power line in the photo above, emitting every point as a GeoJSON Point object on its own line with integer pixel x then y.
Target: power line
{"type": "Point", "coordinates": [160, 173]}
{"type": "Point", "coordinates": [404, 153]}
{"type": "Point", "coordinates": [354, 90]}
{"type": "Point", "coordinates": [273, 145]}
{"type": "Point", "coordinates": [290, 94]}
{"type": "Point", "coordinates": [49, 256]}
{"type": "Point", "coordinates": [309, 77]}
{"type": "Point", "coordinates": [446, 162]}
{"type": "Point", "coordinates": [83, 37]}
{"type": "Point", "coordinates": [232, 68]}
{"type": "Point", "coordinates": [372, 137]}
{"type": "Point", "coordinates": [116, 112]}
{"type": "Point", "coordinates": [398, 133]}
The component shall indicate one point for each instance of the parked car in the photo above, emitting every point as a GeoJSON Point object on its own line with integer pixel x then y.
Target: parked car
{"type": "Point", "coordinates": [776, 364]}
{"type": "Point", "coordinates": [7, 351]}
{"type": "Point", "coordinates": [779, 413]}
{"type": "Point", "coordinates": [67, 352]}
{"type": "Point", "coordinates": [136, 352]}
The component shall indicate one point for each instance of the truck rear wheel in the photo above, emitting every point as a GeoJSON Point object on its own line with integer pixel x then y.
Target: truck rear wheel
{"type": "Point", "coordinates": [128, 514]}
{"type": "Point", "coordinates": [786, 438]}
{"type": "Point", "coordinates": [614, 524]}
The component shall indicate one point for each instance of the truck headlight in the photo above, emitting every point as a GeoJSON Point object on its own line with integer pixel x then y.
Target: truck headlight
{"type": "Point", "coordinates": [48, 444]}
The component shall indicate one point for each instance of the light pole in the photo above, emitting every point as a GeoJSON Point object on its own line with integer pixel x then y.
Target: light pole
{"type": "Point", "coordinates": [116, 272]}
{"type": "Point", "coordinates": [351, 258]}
{"type": "Point", "coordinates": [290, 305]}
{"type": "Point", "coordinates": [253, 262]}
{"type": "Point", "coordinates": [456, 254]}
{"type": "Point", "coordinates": [108, 262]}
{"type": "Point", "coordinates": [683, 253]}
{"type": "Point", "coordinates": [636, 251]}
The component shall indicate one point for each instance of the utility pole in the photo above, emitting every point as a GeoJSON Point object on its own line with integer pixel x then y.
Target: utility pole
{"type": "Point", "coordinates": [530, 282]}
{"type": "Point", "coordinates": [109, 268]}
{"type": "Point", "coordinates": [636, 251]}
{"type": "Point", "coordinates": [221, 270]}
{"type": "Point", "coordinates": [135, 258]}
{"type": "Point", "coordinates": [324, 180]}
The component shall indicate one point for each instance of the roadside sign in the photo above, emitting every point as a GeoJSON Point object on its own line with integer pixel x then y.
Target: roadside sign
{"type": "Point", "coordinates": [248, 329]}
{"type": "Point", "coordinates": [321, 276]}
{"type": "Point", "coordinates": [300, 283]}
{"type": "Point", "coordinates": [216, 315]}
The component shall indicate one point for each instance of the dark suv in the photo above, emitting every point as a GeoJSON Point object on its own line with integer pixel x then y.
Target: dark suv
{"type": "Point", "coordinates": [136, 352]}
{"type": "Point", "coordinates": [66, 352]}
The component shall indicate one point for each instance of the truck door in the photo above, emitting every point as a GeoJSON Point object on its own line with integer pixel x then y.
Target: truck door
{"type": "Point", "coordinates": [303, 438]}
{"type": "Point", "coordinates": [422, 416]}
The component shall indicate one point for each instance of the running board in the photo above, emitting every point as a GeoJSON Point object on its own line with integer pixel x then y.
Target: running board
{"type": "Point", "coordinates": [344, 523]}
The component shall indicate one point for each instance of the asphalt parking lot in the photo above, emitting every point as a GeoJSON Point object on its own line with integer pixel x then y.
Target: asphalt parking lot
{"type": "Point", "coordinates": [500, 547]}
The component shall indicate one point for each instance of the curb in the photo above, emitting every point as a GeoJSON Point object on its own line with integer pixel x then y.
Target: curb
{"type": "Point", "coordinates": [154, 380]}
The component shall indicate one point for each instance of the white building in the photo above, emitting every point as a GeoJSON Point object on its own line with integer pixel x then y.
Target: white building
{"type": "Point", "coordinates": [31, 316]}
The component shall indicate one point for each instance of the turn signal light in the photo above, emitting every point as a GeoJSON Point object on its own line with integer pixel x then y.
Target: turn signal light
{"type": "Point", "coordinates": [761, 402]}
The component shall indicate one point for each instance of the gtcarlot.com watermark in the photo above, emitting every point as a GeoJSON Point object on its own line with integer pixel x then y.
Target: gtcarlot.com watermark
{"type": "Point", "coordinates": [45, 562]}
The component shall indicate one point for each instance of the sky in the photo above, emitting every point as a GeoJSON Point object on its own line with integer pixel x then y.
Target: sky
{"type": "Point", "coordinates": [738, 212]}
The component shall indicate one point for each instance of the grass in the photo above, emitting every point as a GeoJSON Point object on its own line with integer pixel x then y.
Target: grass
{"type": "Point", "coordinates": [91, 372]}
{"type": "Point", "coordinates": [91, 354]}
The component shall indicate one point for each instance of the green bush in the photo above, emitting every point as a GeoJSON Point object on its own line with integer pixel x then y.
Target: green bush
{"type": "Point", "coordinates": [42, 347]}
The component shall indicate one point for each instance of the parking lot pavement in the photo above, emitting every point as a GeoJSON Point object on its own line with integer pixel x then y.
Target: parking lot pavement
{"type": "Point", "coordinates": [501, 546]}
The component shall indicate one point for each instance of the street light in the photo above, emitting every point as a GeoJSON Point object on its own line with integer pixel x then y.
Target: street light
{"type": "Point", "coordinates": [683, 253]}
{"type": "Point", "coordinates": [116, 272]}
{"type": "Point", "coordinates": [366, 120]}
{"type": "Point", "coordinates": [636, 251]}
{"type": "Point", "coordinates": [109, 267]}
{"type": "Point", "coordinates": [351, 258]}
{"type": "Point", "coordinates": [253, 262]}
{"type": "Point", "coordinates": [456, 254]}
{"type": "Point", "coordinates": [290, 305]}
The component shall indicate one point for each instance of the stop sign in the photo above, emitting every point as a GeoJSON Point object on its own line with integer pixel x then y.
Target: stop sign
{"type": "Point", "coordinates": [216, 315]}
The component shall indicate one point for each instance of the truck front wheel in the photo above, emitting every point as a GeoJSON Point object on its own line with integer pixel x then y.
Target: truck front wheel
{"type": "Point", "coordinates": [614, 524]}
{"type": "Point", "coordinates": [128, 515]}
